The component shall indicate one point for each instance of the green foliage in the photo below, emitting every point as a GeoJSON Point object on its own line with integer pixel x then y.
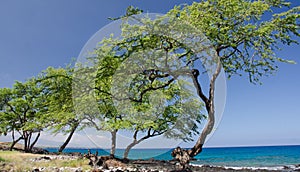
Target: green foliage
{"type": "Point", "coordinates": [129, 12]}
{"type": "Point", "coordinates": [132, 97]}
{"type": "Point", "coordinates": [21, 111]}
{"type": "Point", "coordinates": [57, 91]}
{"type": "Point", "coordinates": [19, 106]}
{"type": "Point", "coordinates": [245, 42]}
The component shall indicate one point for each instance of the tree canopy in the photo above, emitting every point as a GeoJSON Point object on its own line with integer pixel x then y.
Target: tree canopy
{"type": "Point", "coordinates": [245, 34]}
{"type": "Point", "coordinates": [21, 113]}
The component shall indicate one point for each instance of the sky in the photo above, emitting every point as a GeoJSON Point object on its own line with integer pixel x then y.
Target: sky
{"type": "Point", "coordinates": [36, 34]}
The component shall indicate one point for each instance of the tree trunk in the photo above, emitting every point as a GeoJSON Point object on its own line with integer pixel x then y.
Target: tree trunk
{"type": "Point", "coordinates": [13, 140]}
{"type": "Point", "coordinates": [25, 136]}
{"type": "Point", "coordinates": [206, 131]}
{"type": "Point", "coordinates": [14, 143]}
{"type": "Point", "coordinates": [113, 142]}
{"type": "Point", "coordinates": [36, 139]}
{"type": "Point", "coordinates": [64, 145]}
{"type": "Point", "coordinates": [29, 142]}
{"type": "Point", "coordinates": [135, 142]}
{"type": "Point", "coordinates": [210, 108]}
{"type": "Point", "coordinates": [131, 145]}
{"type": "Point", "coordinates": [128, 148]}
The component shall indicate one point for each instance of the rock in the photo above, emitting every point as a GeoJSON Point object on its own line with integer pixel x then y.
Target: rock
{"type": "Point", "coordinates": [43, 158]}
{"type": "Point", "coordinates": [131, 169]}
{"type": "Point", "coordinates": [286, 167]}
{"type": "Point", "coordinates": [115, 163]}
{"type": "Point", "coordinates": [36, 150]}
{"type": "Point", "coordinates": [70, 169]}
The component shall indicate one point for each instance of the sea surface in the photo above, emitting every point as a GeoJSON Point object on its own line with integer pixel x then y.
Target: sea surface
{"type": "Point", "coordinates": [262, 156]}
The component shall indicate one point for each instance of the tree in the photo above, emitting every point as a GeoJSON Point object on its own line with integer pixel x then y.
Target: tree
{"type": "Point", "coordinates": [94, 101]}
{"type": "Point", "coordinates": [155, 56]}
{"type": "Point", "coordinates": [148, 89]}
{"type": "Point", "coordinates": [244, 42]}
{"type": "Point", "coordinates": [21, 113]}
{"type": "Point", "coordinates": [60, 115]}
{"type": "Point", "coordinates": [142, 117]}
{"type": "Point", "coordinates": [169, 113]}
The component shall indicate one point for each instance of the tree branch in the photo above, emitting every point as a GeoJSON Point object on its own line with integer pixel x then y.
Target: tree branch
{"type": "Point", "coordinates": [195, 74]}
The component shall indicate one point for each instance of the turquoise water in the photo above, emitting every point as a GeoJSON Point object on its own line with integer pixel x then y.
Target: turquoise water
{"type": "Point", "coordinates": [263, 156]}
{"type": "Point", "coordinates": [251, 156]}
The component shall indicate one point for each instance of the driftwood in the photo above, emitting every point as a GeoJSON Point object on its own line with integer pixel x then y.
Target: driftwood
{"type": "Point", "coordinates": [182, 156]}
{"type": "Point", "coordinates": [95, 161]}
{"type": "Point", "coordinates": [179, 154]}
{"type": "Point", "coordinates": [104, 161]}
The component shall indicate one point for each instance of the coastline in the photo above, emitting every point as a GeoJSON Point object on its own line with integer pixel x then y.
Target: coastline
{"type": "Point", "coordinates": [258, 156]}
{"type": "Point", "coordinates": [275, 168]}
{"type": "Point", "coordinates": [39, 161]}
{"type": "Point", "coordinates": [166, 148]}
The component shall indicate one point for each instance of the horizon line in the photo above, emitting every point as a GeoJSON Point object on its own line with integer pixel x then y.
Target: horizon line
{"type": "Point", "coordinates": [237, 146]}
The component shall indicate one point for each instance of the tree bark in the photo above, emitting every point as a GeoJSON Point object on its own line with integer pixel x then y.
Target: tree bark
{"type": "Point", "coordinates": [137, 141]}
{"type": "Point", "coordinates": [25, 136]}
{"type": "Point", "coordinates": [29, 142]}
{"type": "Point", "coordinates": [181, 154]}
{"type": "Point", "coordinates": [128, 148]}
{"type": "Point", "coordinates": [113, 142]}
{"type": "Point", "coordinates": [210, 108]}
{"type": "Point", "coordinates": [36, 139]}
{"type": "Point", "coordinates": [64, 145]}
{"type": "Point", "coordinates": [95, 161]}
{"type": "Point", "coordinates": [131, 145]}
{"type": "Point", "coordinates": [14, 143]}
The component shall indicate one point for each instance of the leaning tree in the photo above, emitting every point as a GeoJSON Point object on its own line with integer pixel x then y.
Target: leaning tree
{"type": "Point", "coordinates": [59, 115]}
{"type": "Point", "coordinates": [243, 39]}
{"type": "Point", "coordinates": [239, 36]}
{"type": "Point", "coordinates": [173, 112]}
{"type": "Point", "coordinates": [245, 35]}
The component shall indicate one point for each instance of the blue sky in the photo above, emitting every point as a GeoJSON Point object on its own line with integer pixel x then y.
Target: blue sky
{"type": "Point", "coordinates": [36, 34]}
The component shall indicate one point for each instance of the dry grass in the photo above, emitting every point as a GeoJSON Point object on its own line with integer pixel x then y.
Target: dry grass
{"type": "Point", "coordinates": [6, 146]}
{"type": "Point", "coordinates": [24, 162]}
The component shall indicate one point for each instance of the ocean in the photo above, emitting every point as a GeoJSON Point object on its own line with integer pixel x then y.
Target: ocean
{"type": "Point", "coordinates": [260, 156]}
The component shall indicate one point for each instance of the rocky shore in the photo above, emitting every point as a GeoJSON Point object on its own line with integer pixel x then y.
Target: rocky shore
{"type": "Point", "coordinates": [41, 159]}
{"type": "Point", "coordinates": [114, 165]}
{"type": "Point", "coordinates": [141, 166]}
